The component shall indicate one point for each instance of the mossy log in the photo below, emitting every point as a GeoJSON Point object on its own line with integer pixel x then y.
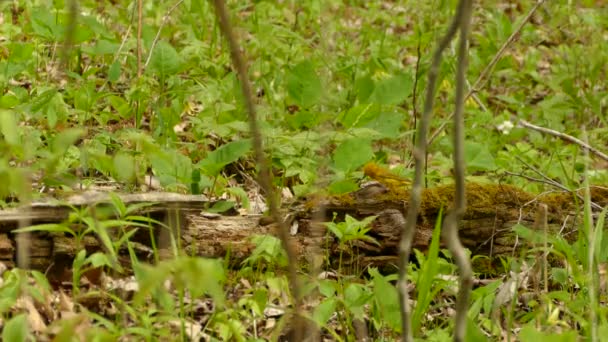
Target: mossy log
{"type": "Point", "coordinates": [486, 229]}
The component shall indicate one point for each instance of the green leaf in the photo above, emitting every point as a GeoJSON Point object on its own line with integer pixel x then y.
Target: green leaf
{"type": "Point", "coordinates": [44, 24]}
{"type": "Point", "coordinates": [352, 154]}
{"type": "Point", "coordinates": [324, 311]}
{"type": "Point", "coordinates": [364, 87]}
{"type": "Point", "coordinates": [188, 271]}
{"type": "Point", "coordinates": [46, 227]}
{"type": "Point", "coordinates": [221, 207]}
{"type": "Point", "coordinates": [120, 105]}
{"type": "Point", "coordinates": [429, 269]}
{"type": "Point", "coordinates": [529, 334]}
{"type": "Point", "coordinates": [165, 59]}
{"type": "Point", "coordinates": [356, 297]}
{"type": "Point", "coordinates": [171, 167]}
{"type": "Point", "coordinates": [43, 99]}
{"type": "Point", "coordinates": [224, 155]}
{"type": "Point", "coordinates": [478, 157]}
{"type": "Point", "coordinates": [9, 127]}
{"type": "Point", "coordinates": [303, 85]}
{"type": "Point", "coordinates": [359, 115]}
{"type": "Point", "coordinates": [114, 72]}
{"type": "Point", "coordinates": [474, 332]}
{"type": "Point", "coordinates": [388, 124]}
{"type": "Point", "coordinates": [342, 187]}
{"type": "Point", "coordinates": [66, 139]}
{"type": "Point", "coordinates": [387, 300]}
{"type": "Point", "coordinates": [393, 90]}
{"type": "Point", "coordinates": [20, 51]}
{"type": "Point", "coordinates": [260, 298]}
{"type": "Point", "coordinates": [241, 194]}
{"type": "Point", "coordinates": [15, 329]}
{"type": "Point", "coordinates": [105, 47]}
{"type": "Point", "coordinates": [124, 167]}
{"type": "Point", "coordinates": [9, 101]}
{"type": "Point", "coordinates": [99, 259]}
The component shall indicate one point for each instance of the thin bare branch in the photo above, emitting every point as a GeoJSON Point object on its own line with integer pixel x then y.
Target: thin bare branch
{"type": "Point", "coordinates": [483, 77]}
{"type": "Point", "coordinates": [409, 227]}
{"type": "Point", "coordinates": [160, 28]}
{"type": "Point", "coordinates": [452, 220]}
{"type": "Point", "coordinates": [565, 137]}
{"type": "Point", "coordinates": [264, 177]}
{"type": "Point", "coordinates": [558, 185]}
{"type": "Point", "coordinates": [139, 31]}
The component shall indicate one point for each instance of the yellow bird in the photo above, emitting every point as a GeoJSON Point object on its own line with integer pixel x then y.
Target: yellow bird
{"type": "Point", "coordinates": [385, 177]}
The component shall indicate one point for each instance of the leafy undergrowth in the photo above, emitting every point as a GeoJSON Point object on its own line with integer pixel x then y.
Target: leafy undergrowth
{"type": "Point", "coordinates": [338, 84]}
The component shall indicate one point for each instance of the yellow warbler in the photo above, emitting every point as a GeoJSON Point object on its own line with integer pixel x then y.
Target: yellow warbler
{"type": "Point", "coordinates": [385, 176]}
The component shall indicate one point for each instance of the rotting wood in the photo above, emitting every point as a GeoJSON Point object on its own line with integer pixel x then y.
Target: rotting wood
{"type": "Point", "coordinates": [485, 230]}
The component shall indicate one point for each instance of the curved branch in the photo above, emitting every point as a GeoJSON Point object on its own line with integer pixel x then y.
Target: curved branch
{"type": "Point", "coordinates": [264, 177]}
{"type": "Point", "coordinates": [407, 234]}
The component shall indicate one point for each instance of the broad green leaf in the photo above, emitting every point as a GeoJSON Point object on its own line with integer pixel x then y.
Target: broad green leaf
{"type": "Point", "coordinates": [303, 85]}
{"type": "Point", "coordinates": [165, 59]}
{"type": "Point", "coordinates": [105, 47]}
{"type": "Point", "coordinates": [478, 157]}
{"type": "Point", "coordinates": [359, 115]}
{"type": "Point", "coordinates": [99, 259]}
{"type": "Point", "coordinates": [324, 311]}
{"type": "Point", "coordinates": [364, 87]}
{"type": "Point", "coordinates": [114, 72]}
{"type": "Point", "coordinates": [224, 155]}
{"type": "Point", "coordinates": [356, 297]}
{"type": "Point", "coordinates": [530, 334]}
{"type": "Point", "coordinates": [388, 124]}
{"type": "Point", "coordinates": [342, 187]}
{"type": "Point", "coordinates": [202, 276]}
{"type": "Point", "coordinates": [66, 139]}
{"type": "Point", "coordinates": [260, 297]}
{"type": "Point", "coordinates": [43, 99]}
{"type": "Point", "coordinates": [124, 167]}
{"type": "Point", "coordinates": [120, 105]}
{"type": "Point", "coordinates": [44, 23]}
{"type": "Point", "coordinates": [171, 167]}
{"type": "Point", "coordinates": [327, 287]}
{"type": "Point", "coordinates": [15, 329]}
{"type": "Point", "coordinates": [9, 128]}
{"type": "Point", "coordinates": [474, 332]}
{"type": "Point", "coordinates": [387, 300]}
{"type": "Point", "coordinates": [352, 154]}
{"type": "Point", "coordinates": [9, 101]}
{"type": "Point", "coordinates": [393, 90]}
{"type": "Point", "coordinates": [221, 207]}
{"type": "Point", "coordinates": [21, 51]}
{"type": "Point", "coordinates": [241, 194]}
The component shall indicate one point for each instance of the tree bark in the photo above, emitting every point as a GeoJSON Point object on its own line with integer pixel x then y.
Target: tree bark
{"type": "Point", "coordinates": [493, 210]}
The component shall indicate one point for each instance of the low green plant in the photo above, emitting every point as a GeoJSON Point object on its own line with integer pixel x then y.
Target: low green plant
{"type": "Point", "coordinates": [350, 230]}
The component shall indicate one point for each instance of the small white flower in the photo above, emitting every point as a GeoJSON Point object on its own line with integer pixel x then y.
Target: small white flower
{"type": "Point", "coordinates": [505, 127]}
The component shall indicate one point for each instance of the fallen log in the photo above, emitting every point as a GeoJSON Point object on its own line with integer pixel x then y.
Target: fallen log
{"type": "Point", "coordinates": [492, 212]}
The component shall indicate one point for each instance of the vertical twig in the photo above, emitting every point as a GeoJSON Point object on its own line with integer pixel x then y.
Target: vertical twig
{"type": "Point", "coordinates": [69, 34]}
{"type": "Point", "coordinates": [405, 244]}
{"type": "Point", "coordinates": [415, 93]}
{"type": "Point", "coordinates": [264, 177]}
{"type": "Point", "coordinates": [139, 29]}
{"type": "Point", "coordinates": [452, 220]}
{"type": "Point", "coordinates": [593, 271]}
{"type": "Point", "coordinates": [137, 119]}
{"type": "Point", "coordinates": [160, 28]}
